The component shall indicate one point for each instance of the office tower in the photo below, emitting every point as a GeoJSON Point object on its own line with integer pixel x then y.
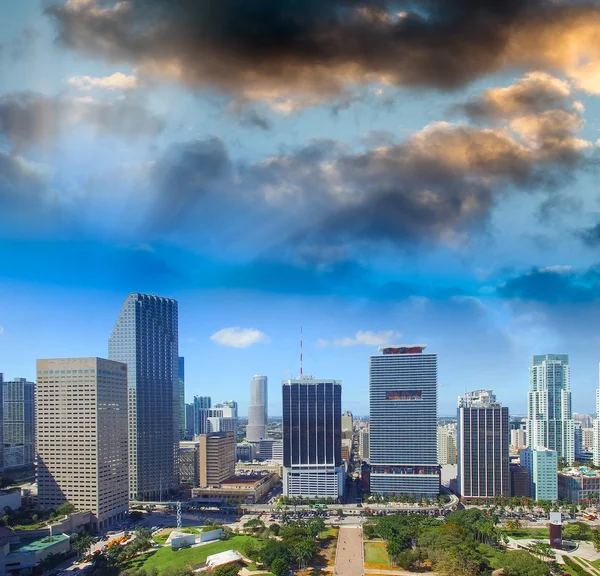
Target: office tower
{"type": "Point", "coordinates": [403, 422]}
{"type": "Point", "coordinates": [549, 422]}
{"type": "Point", "coordinates": [346, 449]}
{"type": "Point", "coordinates": [483, 446]}
{"type": "Point", "coordinates": [277, 451]}
{"type": "Point", "coordinates": [229, 407]}
{"type": "Point", "coordinates": [189, 466]}
{"type": "Point", "coordinates": [542, 466]}
{"type": "Point", "coordinates": [181, 405]}
{"type": "Point", "coordinates": [584, 420]}
{"type": "Point", "coordinates": [587, 439]}
{"type": "Point", "coordinates": [216, 457]}
{"type": "Point", "coordinates": [597, 430]}
{"type": "Point", "coordinates": [258, 409]}
{"type": "Point", "coordinates": [519, 481]}
{"type": "Point", "coordinates": [18, 399]}
{"type": "Point", "coordinates": [518, 438]}
{"type": "Point", "coordinates": [312, 438]}
{"type": "Point", "coordinates": [145, 337]}
{"type": "Point", "coordinates": [347, 425]}
{"type": "Point", "coordinates": [446, 446]}
{"type": "Point", "coordinates": [363, 445]}
{"type": "Point", "coordinates": [82, 429]}
{"type": "Point", "coordinates": [1, 420]}
{"type": "Point", "coordinates": [228, 412]}
{"type": "Point", "coordinates": [201, 404]}
{"type": "Point", "coordinates": [221, 424]}
{"type": "Point", "coordinates": [265, 449]}
{"type": "Point", "coordinates": [189, 421]}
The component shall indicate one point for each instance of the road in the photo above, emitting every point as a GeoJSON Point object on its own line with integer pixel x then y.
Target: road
{"type": "Point", "coordinates": [349, 560]}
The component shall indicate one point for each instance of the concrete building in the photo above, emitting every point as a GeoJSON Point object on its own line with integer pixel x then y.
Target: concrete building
{"type": "Point", "coordinates": [229, 407]}
{"type": "Point", "coordinates": [347, 425]}
{"type": "Point", "coordinates": [403, 421]}
{"type": "Point", "coordinates": [312, 438]}
{"type": "Point", "coordinates": [181, 405]}
{"type": "Point", "coordinates": [587, 439]}
{"type": "Point", "coordinates": [189, 421]}
{"type": "Point", "coordinates": [258, 409]}
{"type": "Point", "coordinates": [1, 420]}
{"type": "Point", "coordinates": [346, 449]}
{"type": "Point", "coordinates": [277, 451]}
{"type": "Point", "coordinates": [446, 447]}
{"type": "Point", "coordinates": [245, 452]}
{"type": "Point", "coordinates": [221, 424]}
{"type": "Point", "coordinates": [216, 458]}
{"type": "Point", "coordinates": [483, 446]}
{"type": "Point", "coordinates": [18, 399]}
{"type": "Point", "coordinates": [519, 481]}
{"type": "Point", "coordinates": [550, 425]}
{"type": "Point", "coordinates": [145, 337]}
{"type": "Point", "coordinates": [81, 422]}
{"type": "Point", "coordinates": [265, 449]}
{"type": "Point", "coordinates": [518, 439]}
{"type": "Point", "coordinates": [579, 485]}
{"type": "Point", "coordinates": [25, 558]}
{"type": "Point", "coordinates": [247, 489]}
{"type": "Point", "coordinates": [542, 466]}
{"type": "Point", "coordinates": [189, 463]}
{"type": "Point", "coordinates": [584, 420]}
{"type": "Point", "coordinates": [596, 428]}
{"type": "Point", "coordinates": [363, 445]}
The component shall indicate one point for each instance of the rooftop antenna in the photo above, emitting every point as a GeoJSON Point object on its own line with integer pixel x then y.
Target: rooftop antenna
{"type": "Point", "coordinates": [300, 350]}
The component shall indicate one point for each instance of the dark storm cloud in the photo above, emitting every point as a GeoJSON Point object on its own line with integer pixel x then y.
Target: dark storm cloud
{"type": "Point", "coordinates": [554, 285]}
{"type": "Point", "coordinates": [32, 119]}
{"type": "Point", "coordinates": [277, 49]}
{"type": "Point", "coordinates": [590, 236]}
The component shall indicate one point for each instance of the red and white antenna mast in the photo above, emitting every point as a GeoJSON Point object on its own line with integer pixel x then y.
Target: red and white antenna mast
{"type": "Point", "coordinates": [300, 350]}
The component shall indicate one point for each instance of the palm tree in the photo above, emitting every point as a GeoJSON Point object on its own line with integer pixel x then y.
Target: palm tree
{"type": "Point", "coordinates": [82, 543]}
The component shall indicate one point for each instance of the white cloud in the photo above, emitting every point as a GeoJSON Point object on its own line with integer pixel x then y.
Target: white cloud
{"type": "Point", "coordinates": [116, 81]}
{"type": "Point", "coordinates": [1, 329]}
{"type": "Point", "coordinates": [363, 338]}
{"type": "Point", "coordinates": [557, 269]}
{"type": "Point", "coordinates": [236, 337]}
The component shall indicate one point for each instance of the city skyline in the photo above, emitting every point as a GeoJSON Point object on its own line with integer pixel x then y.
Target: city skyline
{"type": "Point", "coordinates": [267, 196]}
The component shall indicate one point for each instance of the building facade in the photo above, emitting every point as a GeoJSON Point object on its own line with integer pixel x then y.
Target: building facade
{"type": "Point", "coordinates": [201, 405]}
{"type": "Point", "coordinates": [519, 481]}
{"type": "Point", "coordinates": [596, 428]}
{"type": "Point", "coordinates": [189, 421]}
{"type": "Point", "coordinates": [363, 445]}
{"type": "Point", "coordinates": [446, 446]}
{"type": "Point", "coordinates": [542, 466]}
{"type": "Point", "coordinates": [189, 465]}
{"type": "Point", "coordinates": [245, 452]}
{"type": "Point", "coordinates": [82, 430]}
{"type": "Point", "coordinates": [312, 438]}
{"type": "Point", "coordinates": [518, 438]}
{"type": "Point", "coordinates": [258, 409]}
{"type": "Point", "coordinates": [181, 405]}
{"type": "Point", "coordinates": [18, 400]}
{"type": "Point", "coordinates": [403, 421]}
{"type": "Point", "coordinates": [347, 425]}
{"type": "Point", "coordinates": [483, 446]}
{"type": "Point", "coordinates": [550, 425]}
{"type": "Point", "coordinates": [145, 337]}
{"type": "Point", "coordinates": [216, 458]}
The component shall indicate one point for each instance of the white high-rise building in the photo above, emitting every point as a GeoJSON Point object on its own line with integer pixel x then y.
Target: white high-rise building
{"type": "Point", "coordinates": [81, 422]}
{"type": "Point", "coordinates": [550, 424]}
{"type": "Point", "coordinates": [446, 448]}
{"type": "Point", "coordinates": [258, 409]}
{"type": "Point", "coordinates": [597, 429]}
{"type": "Point", "coordinates": [518, 438]}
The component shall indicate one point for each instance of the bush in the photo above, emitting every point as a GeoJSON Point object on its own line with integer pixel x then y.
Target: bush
{"type": "Point", "coordinates": [577, 568]}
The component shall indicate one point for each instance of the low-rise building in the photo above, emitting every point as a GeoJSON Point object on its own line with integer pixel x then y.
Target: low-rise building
{"type": "Point", "coordinates": [29, 556]}
{"type": "Point", "coordinates": [578, 484]}
{"type": "Point", "coordinates": [250, 489]}
{"type": "Point", "coordinates": [245, 452]}
{"type": "Point", "coordinates": [542, 466]}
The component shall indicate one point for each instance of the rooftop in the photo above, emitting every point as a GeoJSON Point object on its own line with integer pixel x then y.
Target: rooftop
{"type": "Point", "coordinates": [47, 542]}
{"type": "Point", "coordinates": [403, 349]}
{"type": "Point", "coordinates": [581, 471]}
{"type": "Point", "coordinates": [222, 558]}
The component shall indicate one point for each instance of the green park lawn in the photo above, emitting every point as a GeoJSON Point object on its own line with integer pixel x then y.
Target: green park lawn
{"type": "Point", "coordinates": [528, 533]}
{"type": "Point", "coordinates": [376, 556]}
{"type": "Point", "coordinates": [192, 557]}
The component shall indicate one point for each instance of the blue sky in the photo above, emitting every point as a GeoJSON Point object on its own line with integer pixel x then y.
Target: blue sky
{"type": "Point", "coordinates": [373, 171]}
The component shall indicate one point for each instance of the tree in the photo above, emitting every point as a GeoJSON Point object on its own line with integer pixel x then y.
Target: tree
{"type": "Point", "coordinates": [82, 543]}
{"type": "Point", "coordinates": [577, 531]}
{"type": "Point", "coordinates": [170, 571]}
{"type": "Point", "coordinates": [304, 551]}
{"type": "Point", "coordinates": [280, 567]}
{"type": "Point", "coordinates": [595, 537]}
{"type": "Point", "coordinates": [64, 509]}
{"type": "Point", "coordinates": [460, 561]}
{"type": "Point", "coordinates": [227, 570]}
{"type": "Point", "coordinates": [315, 526]}
{"type": "Point", "coordinates": [521, 563]}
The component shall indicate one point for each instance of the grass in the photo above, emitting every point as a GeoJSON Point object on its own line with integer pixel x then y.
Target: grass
{"type": "Point", "coordinates": [161, 537]}
{"type": "Point", "coordinates": [376, 556]}
{"type": "Point", "coordinates": [587, 564]}
{"type": "Point", "coordinates": [191, 557]}
{"type": "Point", "coordinates": [529, 533]}
{"type": "Point", "coordinates": [328, 544]}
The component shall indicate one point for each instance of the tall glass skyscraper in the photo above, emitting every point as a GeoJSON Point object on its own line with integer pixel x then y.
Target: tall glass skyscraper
{"type": "Point", "coordinates": [258, 409]}
{"type": "Point", "coordinates": [483, 446]}
{"type": "Point", "coordinates": [403, 421]}
{"type": "Point", "coordinates": [202, 406]}
{"type": "Point", "coordinates": [312, 438]}
{"type": "Point", "coordinates": [19, 423]}
{"type": "Point", "coordinates": [145, 337]}
{"type": "Point", "coordinates": [181, 406]}
{"type": "Point", "coordinates": [550, 422]}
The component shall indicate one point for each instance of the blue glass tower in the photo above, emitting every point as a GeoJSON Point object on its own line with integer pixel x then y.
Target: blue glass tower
{"type": "Point", "coordinates": [145, 337]}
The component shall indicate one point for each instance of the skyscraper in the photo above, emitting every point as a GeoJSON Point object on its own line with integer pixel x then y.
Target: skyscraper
{"type": "Point", "coordinates": [19, 423]}
{"type": "Point", "coordinates": [312, 438]}
{"type": "Point", "coordinates": [403, 423]}
{"type": "Point", "coordinates": [483, 446]}
{"type": "Point", "coordinates": [549, 421]}
{"type": "Point", "coordinates": [347, 425]}
{"type": "Point", "coordinates": [258, 409]}
{"type": "Point", "coordinates": [145, 337]}
{"type": "Point", "coordinates": [542, 466]}
{"type": "Point", "coordinates": [446, 446]}
{"type": "Point", "coordinates": [189, 421]}
{"type": "Point", "coordinates": [1, 420]}
{"type": "Point", "coordinates": [81, 422]}
{"type": "Point", "coordinates": [201, 405]}
{"type": "Point", "coordinates": [181, 406]}
{"type": "Point", "coordinates": [596, 449]}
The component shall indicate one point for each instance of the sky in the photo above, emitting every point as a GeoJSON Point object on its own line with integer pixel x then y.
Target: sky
{"type": "Point", "coordinates": [373, 171]}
